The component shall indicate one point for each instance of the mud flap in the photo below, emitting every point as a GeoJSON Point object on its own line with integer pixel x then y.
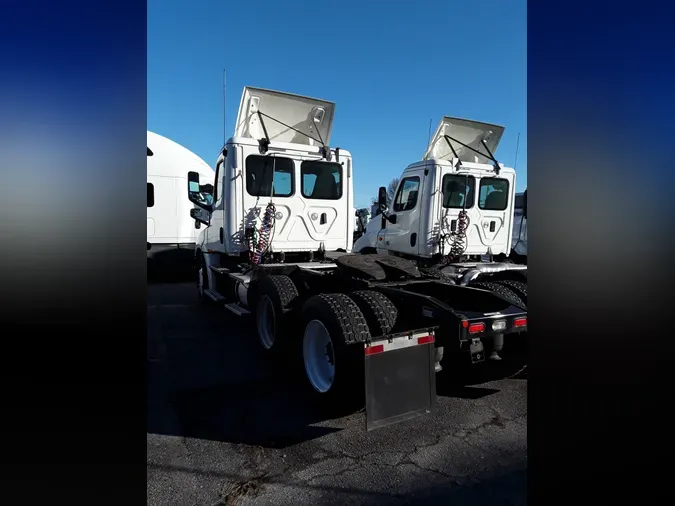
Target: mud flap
{"type": "Point", "coordinates": [400, 378]}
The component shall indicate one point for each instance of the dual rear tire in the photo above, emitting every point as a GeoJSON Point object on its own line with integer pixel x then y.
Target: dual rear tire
{"type": "Point", "coordinates": [328, 333]}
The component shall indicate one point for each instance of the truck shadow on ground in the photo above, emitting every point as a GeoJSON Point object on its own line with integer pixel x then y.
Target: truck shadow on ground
{"type": "Point", "coordinates": [209, 379]}
{"type": "Point", "coordinates": [161, 271]}
{"type": "Point", "coordinates": [464, 381]}
{"type": "Point", "coordinates": [210, 382]}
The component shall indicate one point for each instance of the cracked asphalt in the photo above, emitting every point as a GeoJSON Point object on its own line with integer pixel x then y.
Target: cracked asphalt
{"type": "Point", "coordinates": [226, 426]}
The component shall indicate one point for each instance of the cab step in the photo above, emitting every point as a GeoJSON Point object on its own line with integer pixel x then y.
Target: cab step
{"type": "Point", "coordinates": [237, 309]}
{"type": "Point", "coordinates": [215, 296]}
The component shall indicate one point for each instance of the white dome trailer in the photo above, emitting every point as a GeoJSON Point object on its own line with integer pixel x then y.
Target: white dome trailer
{"type": "Point", "coordinates": [277, 248]}
{"type": "Point", "coordinates": [171, 233]}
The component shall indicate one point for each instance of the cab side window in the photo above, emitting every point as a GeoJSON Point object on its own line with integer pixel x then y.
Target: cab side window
{"type": "Point", "coordinates": [215, 183]}
{"type": "Point", "coordinates": [406, 196]}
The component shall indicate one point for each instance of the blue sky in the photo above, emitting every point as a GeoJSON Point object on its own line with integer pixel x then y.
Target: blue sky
{"type": "Point", "coordinates": [390, 68]}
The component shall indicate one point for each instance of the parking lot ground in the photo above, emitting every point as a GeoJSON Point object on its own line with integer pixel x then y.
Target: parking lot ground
{"type": "Point", "coordinates": [227, 426]}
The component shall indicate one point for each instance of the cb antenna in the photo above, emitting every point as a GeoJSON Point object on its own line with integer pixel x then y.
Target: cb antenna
{"type": "Point", "coordinates": [515, 162]}
{"type": "Point", "coordinates": [429, 139]}
{"type": "Point", "coordinates": [224, 107]}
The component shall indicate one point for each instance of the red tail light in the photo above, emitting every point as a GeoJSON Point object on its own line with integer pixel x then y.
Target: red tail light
{"type": "Point", "coordinates": [520, 322]}
{"type": "Point", "coordinates": [372, 350]}
{"type": "Point", "coordinates": [425, 340]}
{"type": "Point", "coordinates": [475, 328]}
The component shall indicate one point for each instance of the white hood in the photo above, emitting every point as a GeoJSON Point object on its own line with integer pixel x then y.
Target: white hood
{"type": "Point", "coordinates": [470, 133]}
{"type": "Point", "coordinates": [310, 116]}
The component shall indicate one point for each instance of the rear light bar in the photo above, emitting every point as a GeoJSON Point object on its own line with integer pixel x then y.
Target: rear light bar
{"type": "Point", "coordinates": [400, 342]}
{"type": "Point", "coordinates": [496, 325]}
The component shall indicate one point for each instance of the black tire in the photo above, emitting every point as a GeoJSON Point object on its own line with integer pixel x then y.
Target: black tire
{"type": "Point", "coordinates": [519, 287]}
{"type": "Point", "coordinates": [379, 311]}
{"type": "Point", "coordinates": [502, 290]}
{"type": "Point", "coordinates": [281, 293]}
{"type": "Point", "coordinates": [347, 328]}
{"type": "Point", "coordinates": [368, 251]}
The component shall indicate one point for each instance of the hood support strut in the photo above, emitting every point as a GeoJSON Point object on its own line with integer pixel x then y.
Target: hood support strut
{"type": "Point", "coordinates": [263, 144]}
{"type": "Point", "coordinates": [490, 155]}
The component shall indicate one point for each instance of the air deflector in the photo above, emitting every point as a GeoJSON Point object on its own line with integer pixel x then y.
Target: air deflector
{"type": "Point", "coordinates": [311, 119]}
{"type": "Point", "coordinates": [466, 132]}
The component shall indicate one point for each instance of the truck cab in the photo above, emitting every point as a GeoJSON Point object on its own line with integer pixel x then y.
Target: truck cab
{"type": "Point", "coordinates": [278, 167]}
{"type": "Point", "coordinates": [457, 197]}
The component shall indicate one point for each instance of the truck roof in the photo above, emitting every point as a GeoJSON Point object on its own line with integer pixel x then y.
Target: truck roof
{"type": "Point", "coordinates": [311, 119]}
{"type": "Point", "coordinates": [173, 160]}
{"type": "Point", "coordinates": [280, 147]}
{"type": "Point", "coordinates": [486, 167]}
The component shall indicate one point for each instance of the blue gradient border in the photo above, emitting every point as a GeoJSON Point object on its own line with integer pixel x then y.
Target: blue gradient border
{"type": "Point", "coordinates": [72, 154]}
{"type": "Point", "coordinates": [72, 135]}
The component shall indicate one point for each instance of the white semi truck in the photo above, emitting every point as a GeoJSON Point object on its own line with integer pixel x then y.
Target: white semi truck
{"type": "Point", "coordinates": [171, 234]}
{"type": "Point", "coordinates": [276, 247]}
{"type": "Point", "coordinates": [453, 213]}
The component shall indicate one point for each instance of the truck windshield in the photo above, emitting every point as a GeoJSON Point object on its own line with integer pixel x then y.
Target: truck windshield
{"type": "Point", "coordinates": [458, 191]}
{"type": "Point", "coordinates": [321, 180]}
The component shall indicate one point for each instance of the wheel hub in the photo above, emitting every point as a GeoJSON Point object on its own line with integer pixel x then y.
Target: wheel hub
{"type": "Point", "coordinates": [266, 322]}
{"type": "Point", "coordinates": [329, 354]}
{"type": "Point", "coordinates": [319, 356]}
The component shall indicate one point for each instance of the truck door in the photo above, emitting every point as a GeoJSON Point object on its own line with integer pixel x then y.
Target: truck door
{"type": "Point", "coordinates": [403, 236]}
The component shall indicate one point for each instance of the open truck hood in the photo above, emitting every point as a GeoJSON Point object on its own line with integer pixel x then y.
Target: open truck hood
{"type": "Point", "coordinates": [311, 116]}
{"type": "Point", "coordinates": [470, 133]}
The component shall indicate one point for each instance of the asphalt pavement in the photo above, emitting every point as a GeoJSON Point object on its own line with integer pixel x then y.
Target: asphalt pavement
{"type": "Point", "coordinates": [227, 426]}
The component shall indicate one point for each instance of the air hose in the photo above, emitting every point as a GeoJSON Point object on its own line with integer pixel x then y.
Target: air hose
{"type": "Point", "coordinates": [459, 235]}
{"type": "Point", "coordinates": [257, 248]}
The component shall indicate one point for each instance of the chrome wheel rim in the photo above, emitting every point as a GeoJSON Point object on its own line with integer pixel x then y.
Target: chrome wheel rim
{"type": "Point", "coordinates": [319, 356]}
{"type": "Point", "coordinates": [200, 281]}
{"type": "Point", "coordinates": [266, 322]}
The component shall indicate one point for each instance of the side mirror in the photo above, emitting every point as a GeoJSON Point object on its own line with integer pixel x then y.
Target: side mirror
{"type": "Point", "coordinates": [200, 216]}
{"type": "Point", "coordinates": [195, 194]}
{"type": "Point", "coordinates": [525, 204]}
{"type": "Point", "coordinates": [382, 198]}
